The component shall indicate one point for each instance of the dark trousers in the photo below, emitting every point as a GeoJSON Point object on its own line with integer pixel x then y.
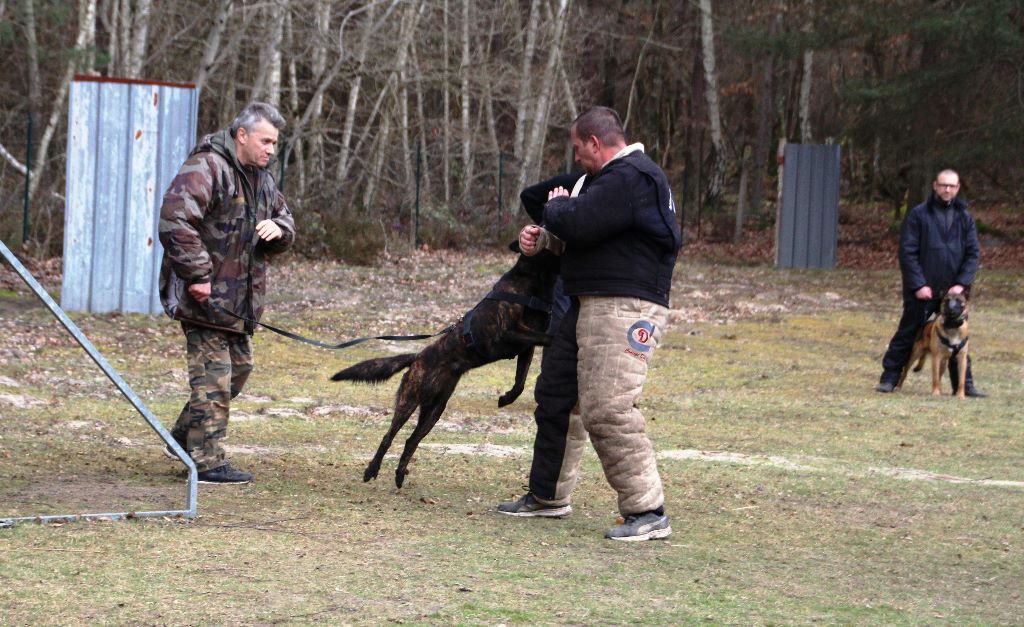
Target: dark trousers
{"type": "Point", "coordinates": [556, 392]}
{"type": "Point", "coordinates": [560, 304]}
{"type": "Point", "coordinates": [915, 314]}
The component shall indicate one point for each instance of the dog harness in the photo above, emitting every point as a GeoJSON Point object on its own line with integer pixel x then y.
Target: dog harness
{"type": "Point", "coordinates": [530, 302]}
{"type": "Point", "coordinates": [953, 348]}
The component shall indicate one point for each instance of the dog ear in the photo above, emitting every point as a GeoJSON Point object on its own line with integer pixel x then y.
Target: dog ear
{"type": "Point", "coordinates": [514, 247]}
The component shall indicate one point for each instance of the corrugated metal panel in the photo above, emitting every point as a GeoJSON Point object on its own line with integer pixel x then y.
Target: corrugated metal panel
{"type": "Point", "coordinates": [807, 230]}
{"type": "Point", "coordinates": [126, 141]}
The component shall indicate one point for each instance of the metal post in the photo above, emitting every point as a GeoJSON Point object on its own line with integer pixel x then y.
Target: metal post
{"type": "Point", "coordinates": [128, 393]}
{"type": "Point", "coordinates": [419, 173]}
{"type": "Point", "coordinates": [28, 179]}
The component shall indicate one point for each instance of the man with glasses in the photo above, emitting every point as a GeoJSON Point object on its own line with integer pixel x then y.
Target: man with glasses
{"type": "Point", "coordinates": [938, 254]}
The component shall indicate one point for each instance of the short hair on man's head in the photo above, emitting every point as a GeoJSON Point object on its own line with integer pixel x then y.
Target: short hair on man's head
{"type": "Point", "coordinates": [948, 171]}
{"type": "Point", "coordinates": [601, 122]}
{"type": "Point", "coordinates": [254, 113]}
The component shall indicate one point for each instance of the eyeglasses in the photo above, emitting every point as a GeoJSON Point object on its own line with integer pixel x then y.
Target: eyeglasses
{"type": "Point", "coordinates": [948, 185]}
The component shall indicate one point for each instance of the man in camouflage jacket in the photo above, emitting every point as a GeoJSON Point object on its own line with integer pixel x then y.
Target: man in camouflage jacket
{"type": "Point", "coordinates": [222, 219]}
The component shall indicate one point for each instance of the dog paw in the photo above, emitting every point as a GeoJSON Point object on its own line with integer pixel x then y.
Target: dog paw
{"type": "Point", "coordinates": [369, 474]}
{"type": "Point", "coordinates": [508, 397]}
{"type": "Point", "coordinates": [399, 478]}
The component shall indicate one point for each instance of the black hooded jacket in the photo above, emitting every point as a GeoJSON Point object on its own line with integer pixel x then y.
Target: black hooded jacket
{"type": "Point", "coordinates": [621, 233]}
{"type": "Point", "coordinates": [933, 255]}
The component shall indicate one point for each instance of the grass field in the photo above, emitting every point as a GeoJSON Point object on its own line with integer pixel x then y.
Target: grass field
{"type": "Point", "coordinates": [797, 494]}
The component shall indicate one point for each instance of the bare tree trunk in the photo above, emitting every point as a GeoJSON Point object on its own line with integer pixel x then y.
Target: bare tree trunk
{"type": "Point", "coordinates": [124, 36]}
{"type": "Point", "coordinates": [88, 63]}
{"type": "Point", "coordinates": [139, 39]}
{"type": "Point", "coordinates": [714, 113]}
{"type": "Point", "coordinates": [345, 155]}
{"type": "Point", "coordinates": [467, 137]}
{"type": "Point", "coordinates": [523, 102]}
{"type": "Point", "coordinates": [295, 142]}
{"type": "Point", "coordinates": [110, 16]}
{"type": "Point", "coordinates": [636, 72]}
{"type": "Point", "coordinates": [535, 146]}
{"type": "Point", "coordinates": [570, 99]}
{"type": "Point", "coordinates": [762, 135]}
{"type": "Point", "coordinates": [35, 90]}
{"type": "Point", "coordinates": [268, 81]}
{"type": "Point", "coordinates": [805, 97]}
{"type": "Point", "coordinates": [86, 25]}
{"type": "Point", "coordinates": [322, 27]}
{"type": "Point", "coordinates": [422, 121]}
{"type": "Point", "coordinates": [414, 12]}
{"type": "Point", "coordinates": [446, 99]}
{"type": "Point", "coordinates": [11, 159]}
{"type": "Point", "coordinates": [211, 49]}
{"type": "Point", "coordinates": [393, 86]}
{"type": "Point", "coordinates": [373, 176]}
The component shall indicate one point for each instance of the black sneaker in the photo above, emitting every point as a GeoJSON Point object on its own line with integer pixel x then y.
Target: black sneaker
{"type": "Point", "coordinates": [638, 527]}
{"type": "Point", "coordinates": [224, 474]}
{"type": "Point", "coordinates": [885, 387]}
{"type": "Point", "coordinates": [526, 505]}
{"type": "Point", "coordinates": [169, 452]}
{"type": "Point", "coordinates": [974, 392]}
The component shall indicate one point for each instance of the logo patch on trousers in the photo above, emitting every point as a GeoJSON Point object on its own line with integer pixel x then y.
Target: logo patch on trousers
{"type": "Point", "coordinates": [639, 336]}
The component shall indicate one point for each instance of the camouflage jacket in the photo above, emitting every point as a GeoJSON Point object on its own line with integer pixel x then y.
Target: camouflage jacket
{"type": "Point", "coordinates": [208, 231]}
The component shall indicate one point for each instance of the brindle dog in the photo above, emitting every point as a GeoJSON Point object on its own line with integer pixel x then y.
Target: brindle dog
{"type": "Point", "coordinates": [509, 322]}
{"type": "Point", "coordinates": [944, 338]}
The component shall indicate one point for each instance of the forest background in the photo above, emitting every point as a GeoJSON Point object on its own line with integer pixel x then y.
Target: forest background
{"type": "Point", "coordinates": [446, 108]}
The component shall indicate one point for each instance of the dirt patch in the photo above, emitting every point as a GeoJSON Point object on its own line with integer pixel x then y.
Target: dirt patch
{"type": "Point", "coordinates": [90, 495]}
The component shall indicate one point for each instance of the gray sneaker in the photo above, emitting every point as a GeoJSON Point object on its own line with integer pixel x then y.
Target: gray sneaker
{"type": "Point", "coordinates": [526, 505]}
{"type": "Point", "coordinates": [638, 527]}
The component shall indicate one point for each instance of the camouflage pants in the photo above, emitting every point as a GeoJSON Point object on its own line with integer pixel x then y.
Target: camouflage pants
{"type": "Point", "coordinates": [219, 364]}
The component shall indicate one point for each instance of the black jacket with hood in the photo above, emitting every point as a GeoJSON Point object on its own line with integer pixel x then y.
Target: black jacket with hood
{"type": "Point", "coordinates": [932, 254]}
{"type": "Point", "coordinates": [621, 233]}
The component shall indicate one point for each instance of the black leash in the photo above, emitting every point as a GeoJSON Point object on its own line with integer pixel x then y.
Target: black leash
{"type": "Point", "coordinates": [346, 344]}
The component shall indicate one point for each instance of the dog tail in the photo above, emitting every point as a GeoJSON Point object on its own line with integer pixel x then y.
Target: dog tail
{"type": "Point", "coordinates": [375, 370]}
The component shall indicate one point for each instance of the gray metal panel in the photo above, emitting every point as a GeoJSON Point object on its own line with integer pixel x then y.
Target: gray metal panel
{"type": "Point", "coordinates": [807, 235]}
{"type": "Point", "coordinates": [125, 144]}
{"type": "Point", "coordinates": [815, 193]}
{"type": "Point", "coordinates": [138, 224]}
{"type": "Point", "coordinates": [830, 221]}
{"type": "Point", "coordinates": [787, 214]}
{"type": "Point", "coordinates": [81, 180]}
{"type": "Point", "coordinates": [110, 198]}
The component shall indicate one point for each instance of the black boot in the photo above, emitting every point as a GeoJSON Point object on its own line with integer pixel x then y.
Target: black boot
{"type": "Point", "coordinates": [954, 377]}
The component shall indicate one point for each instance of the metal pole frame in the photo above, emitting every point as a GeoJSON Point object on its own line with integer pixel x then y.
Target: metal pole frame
{"type": "Point", "coordinates": [193, 480]}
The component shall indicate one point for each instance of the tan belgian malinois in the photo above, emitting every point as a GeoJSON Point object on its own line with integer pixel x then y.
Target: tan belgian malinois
{"type": "Point", "coordinates": [944, 338]}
